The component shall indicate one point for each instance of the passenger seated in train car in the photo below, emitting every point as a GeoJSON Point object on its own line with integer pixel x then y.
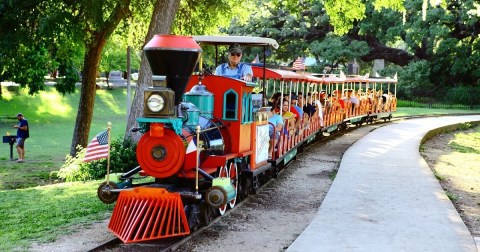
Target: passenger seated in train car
{"type": "Point", "coordinates": [276, 120]}
{"type": "Point", "coordinates": [336, 98]}
{"type": "Point", "coordinates": [289, 117]}
{"type": "Point", "coordinates": [381, 99]}
{"type": "Point", "coordinates": [326, 103]}
{"type": "Point", "coordinates": [295, 105]}
{"type": "Point", "coordinates": [234, 68]}
{"type": "Point", "coordinates": [352, 98]}
{"type": "Point", "coordinates": [308, 108]}
{"type": "Point", "coordinates": [318, 107]}
{"type": "Point", "coordinates": [273, 101]}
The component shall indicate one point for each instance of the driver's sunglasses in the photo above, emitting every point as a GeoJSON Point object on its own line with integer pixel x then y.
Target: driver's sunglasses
{"type": "Point", "coordinates": [235, 54]}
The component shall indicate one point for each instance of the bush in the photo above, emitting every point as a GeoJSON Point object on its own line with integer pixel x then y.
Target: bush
{"type": "Point", "coordinates": [465, 95]}
{"type": "Point", "coordinates": [122, 158]}
{"type": "Point", "coordinates": [413, 80]}
{"type": "Point", "coordinates": [73, 168]}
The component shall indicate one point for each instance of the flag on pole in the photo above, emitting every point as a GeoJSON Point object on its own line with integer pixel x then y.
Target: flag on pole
{"type": "Point", "coordinates": [98, 148]}
{"type": "Point", "coordinates": [256, 60]}
{"type": "Point", "coordinates": [299, 64]}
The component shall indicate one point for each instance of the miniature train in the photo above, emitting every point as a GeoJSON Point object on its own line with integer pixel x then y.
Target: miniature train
{"type": "Point", "coordinates": [206, 138]}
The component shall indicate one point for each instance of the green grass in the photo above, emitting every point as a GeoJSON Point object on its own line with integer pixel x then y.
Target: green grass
{"type": "Point", "coordinates": [43, 213]}
{"type": "Point", "coordinates": [451, 196]}
{"type": "Point", "coordinates": [467, 143]}
{"type": "Point", "coordinates": [411, 111]}
{"type": "Point", "coordinates": [51, 119]}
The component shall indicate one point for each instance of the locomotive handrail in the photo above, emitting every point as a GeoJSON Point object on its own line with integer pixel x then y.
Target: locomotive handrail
{"type": "Point", "coordinates": [211, 128]}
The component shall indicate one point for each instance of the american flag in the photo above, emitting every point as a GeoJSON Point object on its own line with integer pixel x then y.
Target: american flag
{"type": "Point", "coordinates": [299, 64]}
{"type": "Point", "coordinates": [98, 148]}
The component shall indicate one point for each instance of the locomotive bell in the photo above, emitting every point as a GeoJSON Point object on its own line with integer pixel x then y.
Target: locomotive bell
{"type": "Point", "coordinates": [174, 57]}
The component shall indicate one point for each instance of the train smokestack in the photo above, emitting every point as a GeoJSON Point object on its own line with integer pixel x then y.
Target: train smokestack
{"type": "Point", "coordinates": [174, 57]}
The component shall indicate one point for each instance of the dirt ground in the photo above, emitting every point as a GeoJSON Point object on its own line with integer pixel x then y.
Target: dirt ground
{"type": "Point", "coordinates": [271, 220]}
{"type": "Point", "coordinates": [459, 175]}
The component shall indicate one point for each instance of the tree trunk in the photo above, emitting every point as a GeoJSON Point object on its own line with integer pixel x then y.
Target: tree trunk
{"type": "Point", "coordinates": [162, 19]}
{"type": "Point", "coordinates": [94, 46]}
{"type": "Point", "coordinates": [87, 97]}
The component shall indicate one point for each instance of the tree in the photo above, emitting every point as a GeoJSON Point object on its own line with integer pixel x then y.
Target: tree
{"type": "Point", "coordinates": [334, 51]}
{"type": "Point", "coordinates": [41, 35]}
{"type": "Point", "coordinates": [114, 56]}
{"type": "Point", "coordinates": [38, 37]}
{"type": "Point", "coordinates": [401, 32]}
{"type": "Point", "coordinates": [165, 11]}
{"type": "Point", "coordinates": [194, 17]}
{"type": "Point", "coordinates": [98, 28]}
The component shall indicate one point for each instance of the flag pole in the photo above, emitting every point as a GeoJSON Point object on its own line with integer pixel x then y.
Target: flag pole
{"type": "Point", "coordinates": [197, 158]}
{"type": "Point", "coordinates": [108, 157]}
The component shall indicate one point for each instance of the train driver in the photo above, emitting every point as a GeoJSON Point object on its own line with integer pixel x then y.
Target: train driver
{"type": "Point", "coordinates": [234, 68]}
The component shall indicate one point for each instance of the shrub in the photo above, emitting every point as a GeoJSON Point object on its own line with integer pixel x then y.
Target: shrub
{"type": "Point", "coordinates": [465, 95]}
{"type": "Point", "coordinates": [413, 80]}
{"type": "Point", "coordinates": [72, 169]}
{"type": "Point", "coordinates": [122, 158]}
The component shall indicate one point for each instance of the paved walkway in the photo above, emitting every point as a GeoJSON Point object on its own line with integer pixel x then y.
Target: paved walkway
{"type": "Point", "coordinates": [385, 198]}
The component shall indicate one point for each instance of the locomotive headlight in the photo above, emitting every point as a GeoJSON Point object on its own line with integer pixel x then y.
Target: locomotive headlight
{"type": "Point", "coordinates": [155, 103]}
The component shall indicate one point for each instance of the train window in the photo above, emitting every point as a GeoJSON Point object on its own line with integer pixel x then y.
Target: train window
{"type": "Point", "coordinates": [247, 108]}
{"type": "Point", "coordinates": [230, 101]}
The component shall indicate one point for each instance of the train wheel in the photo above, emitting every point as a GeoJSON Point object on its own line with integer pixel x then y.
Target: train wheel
{"type": "Point", "coordinates": [104, 194]}
{"type": "Point", "coordinates": [223, 173]}
{"type": "Point", "coordinates": [233, 171]}
{"type": "Point", "coordinates": [206, 215]}
{"type": "Point", "coordinates": [193, 216]}
{"type": "Point", "coordinates": [242, 189]}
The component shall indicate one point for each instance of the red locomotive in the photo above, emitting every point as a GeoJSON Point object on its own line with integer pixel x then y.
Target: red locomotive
{"type": "Point", "coordinates": [206, 137]}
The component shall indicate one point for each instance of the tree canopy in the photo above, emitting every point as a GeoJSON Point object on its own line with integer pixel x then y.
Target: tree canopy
{"type": "Point", "coordinates": [440, 36]}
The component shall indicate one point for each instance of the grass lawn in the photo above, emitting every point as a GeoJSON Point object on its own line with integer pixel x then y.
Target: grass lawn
{"type": "Point", "coordinates": [412, 111]}
{"type": "Point", "coordinates": [33, 208]}
{"type": "Point", "coordinates": [51, 118]}
{"type": "Point", "coordinates": [44, 213]}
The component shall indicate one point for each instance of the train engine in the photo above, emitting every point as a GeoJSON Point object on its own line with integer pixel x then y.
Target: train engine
{"type": "Point", "coordinates": [179, 134]}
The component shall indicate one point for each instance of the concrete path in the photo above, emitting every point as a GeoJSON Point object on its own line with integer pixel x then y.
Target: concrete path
{"type": "Point", "coordinates": [385, 198]}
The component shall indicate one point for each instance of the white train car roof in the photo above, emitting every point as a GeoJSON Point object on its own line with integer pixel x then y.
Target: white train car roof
{"type": "Point", "coordinates": [383, 80]}
{"type": "Point", "coordinates": [242, 40]}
